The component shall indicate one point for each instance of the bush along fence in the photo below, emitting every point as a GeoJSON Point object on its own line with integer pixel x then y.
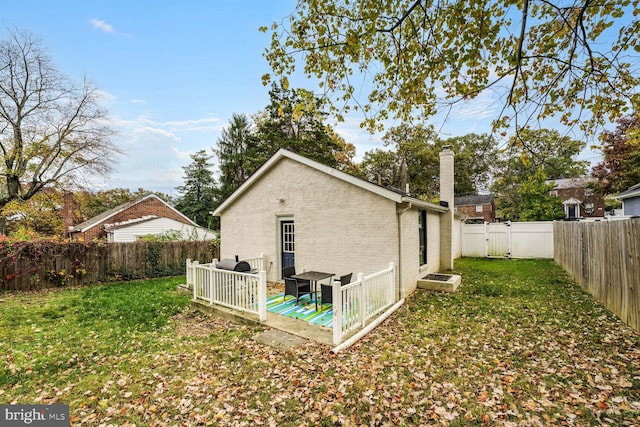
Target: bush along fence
{"type": "Point", "coordinates": [26, 266]}
{"type": "Point", "coordinates": [604, 257]}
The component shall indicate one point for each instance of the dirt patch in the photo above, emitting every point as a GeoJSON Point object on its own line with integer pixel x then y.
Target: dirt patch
{"type": "Point", "coordinates": [194, 323]}
{"type": "Point", "coordinates": [274, 289]}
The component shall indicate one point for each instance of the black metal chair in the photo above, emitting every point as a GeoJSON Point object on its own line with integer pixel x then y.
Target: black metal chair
{"type": "Point", "coordinates": [297, 288]}
{"type": "Point", "coordinates": [326, 296]}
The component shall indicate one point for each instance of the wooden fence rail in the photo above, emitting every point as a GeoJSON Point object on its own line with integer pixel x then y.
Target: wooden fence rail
{"type": "Point", "coordinates": [604, 257]}
{"type": "Point", "coordinates": [37, 265]}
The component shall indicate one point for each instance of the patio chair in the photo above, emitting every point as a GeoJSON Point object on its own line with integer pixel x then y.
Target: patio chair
{"type": "Point", "coordinates": [296, 288]}
{"type": "Point", "coordinates": [326, 296]}
{"type": "Point", "coordinates": [291, 271]}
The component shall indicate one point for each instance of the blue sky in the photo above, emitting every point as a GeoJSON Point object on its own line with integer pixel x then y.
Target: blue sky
{"type": "Point", "coordinates": [173, 73]}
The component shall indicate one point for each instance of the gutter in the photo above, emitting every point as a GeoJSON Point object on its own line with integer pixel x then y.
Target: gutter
{"type": "Point", "coordinates": [399, 214]}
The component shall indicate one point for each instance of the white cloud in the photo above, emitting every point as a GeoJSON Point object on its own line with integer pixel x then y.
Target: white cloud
{"type": "Point", "coordinates": [99, 24]}
{"type": "Point", "coordinates": [157, 151]}
{"type": "Point", "coordinates": [156, 133]}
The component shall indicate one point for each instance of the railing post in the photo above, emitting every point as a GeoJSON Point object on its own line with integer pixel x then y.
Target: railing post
{"type": "Point", "coordinates": [391, 287]}
{"type": "Point", "coordinates": [212, 288]}
{"type": "Point", "coordinates": [362, 312]}
{"type": "Point", "coordinates": [194, 272]}
{"type": "Point", "coordinates": [261, 266]}
{"type": "Point", "coordinates": [190, 277]}
{"type": "Point", "coordinates": [336, 292]}
{"type": "Point", "coordinates": [262, 295]}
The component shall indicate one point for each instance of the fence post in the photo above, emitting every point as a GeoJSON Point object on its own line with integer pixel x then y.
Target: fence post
{"type": "Point", "coordinates": [336, 292]}
{"type": "Point", "coordinates": [190, 276]}
{"type": "Point", "coordinates": [212, 288]}
{"type": "Point", "coordinates": [194, 272]}
{"type": "Point", "coordinates": [261, 266]}
{"type": "Point", "coordinates": [262, 295]}
{"type": "Point", "coordinates": [391, 286]}
{"type": "Point", "coordinates": [362, 309]}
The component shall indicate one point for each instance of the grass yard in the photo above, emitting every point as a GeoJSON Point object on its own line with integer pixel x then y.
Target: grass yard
{"type": "Point", "coordinates": [520, 344]}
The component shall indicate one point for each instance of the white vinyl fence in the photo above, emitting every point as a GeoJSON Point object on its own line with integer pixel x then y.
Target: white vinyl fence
{"type": "Point", "coordinates": [508, 240]}
{"type": "Point", "coordinates": [360, 301]}
{"type": "Point", "coordinates": [239, 291]}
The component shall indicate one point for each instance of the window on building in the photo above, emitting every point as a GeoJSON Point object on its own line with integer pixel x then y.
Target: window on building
{"type": "Point", "coordinates": [553, 192]}
{"type": "Point", "coordinates": [478, 208]}
{"type": "Point", "coordinates": [422, 229]}
{"type": "Point", "coordinates": [589, 208]}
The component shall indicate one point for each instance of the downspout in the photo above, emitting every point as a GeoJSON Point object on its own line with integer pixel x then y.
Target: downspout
{"type": "Point", "coordinates": [399, 214]}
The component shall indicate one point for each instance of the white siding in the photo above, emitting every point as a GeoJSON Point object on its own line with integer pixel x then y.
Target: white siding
{"type": "Point", "coordinates": [513, 240]}
{"type": "Point", "coordinates": [134, 231]}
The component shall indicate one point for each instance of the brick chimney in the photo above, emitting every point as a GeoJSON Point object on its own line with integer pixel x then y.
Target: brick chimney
{"type": "Point", "coordinates": [446, 219]}
{"type": "Point", "coordinates": [68, 208]}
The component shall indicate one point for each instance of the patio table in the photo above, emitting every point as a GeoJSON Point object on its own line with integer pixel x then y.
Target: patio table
{"type": "Point", "coordinates": [313, 277]}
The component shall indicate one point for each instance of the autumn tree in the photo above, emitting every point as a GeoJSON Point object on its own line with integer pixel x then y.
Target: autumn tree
{"type": "Point", "coordinates": [198, 194]}
{"type": "Point", "coordinates": [41, 215]}
{"type": "Point", "coordinates": [575, 59]}
{"type": "Point", "coordinates": [620, 167]}
{"type": "Point", "coordinates": [52, 130]}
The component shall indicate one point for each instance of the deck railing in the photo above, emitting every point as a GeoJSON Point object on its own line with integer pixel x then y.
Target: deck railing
{"type": "Point", "coordinates": [239, 291]}
{"type": "Point", "coordinates": [360, 301]}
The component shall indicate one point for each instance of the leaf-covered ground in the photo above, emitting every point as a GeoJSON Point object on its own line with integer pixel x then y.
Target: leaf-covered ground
{"type": "Point", "coordinates": [520, 344]}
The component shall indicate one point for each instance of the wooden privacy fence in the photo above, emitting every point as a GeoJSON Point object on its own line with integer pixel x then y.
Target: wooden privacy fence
{"type": "Point", "coordinates": [36, 265]}
{"type": "Point", "coordinates": [604, 257]}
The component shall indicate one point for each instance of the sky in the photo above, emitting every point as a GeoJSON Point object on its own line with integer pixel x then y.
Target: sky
{"type": "Point", "coordinates": [173, 73]}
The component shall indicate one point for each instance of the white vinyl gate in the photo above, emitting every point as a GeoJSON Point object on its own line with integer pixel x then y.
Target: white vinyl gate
{"type": "Point", "coordinates": [508, 240]}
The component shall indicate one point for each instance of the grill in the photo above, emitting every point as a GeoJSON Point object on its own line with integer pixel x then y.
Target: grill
{"type": "Point", "coordinates": [233, 265]}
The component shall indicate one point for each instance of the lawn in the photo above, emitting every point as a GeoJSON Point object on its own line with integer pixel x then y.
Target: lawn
{"type": "Point", "coordinates": [520, 344]}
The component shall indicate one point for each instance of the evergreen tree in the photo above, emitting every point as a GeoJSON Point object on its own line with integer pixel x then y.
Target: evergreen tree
{"type": "Point", "coordinates": [235, 147]}
{"type": "Point", "coordinates": [199, 193]}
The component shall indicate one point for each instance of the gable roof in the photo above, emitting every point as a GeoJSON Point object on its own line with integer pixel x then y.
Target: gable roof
{"type": "Point", "coordinates": [395, 196]}
{"type": "Point", "coordinates": [99, 219]}
{"type": "Point", "coordinates": [476, 199]}
{"type": "Point", "coordinates": [633, 191]}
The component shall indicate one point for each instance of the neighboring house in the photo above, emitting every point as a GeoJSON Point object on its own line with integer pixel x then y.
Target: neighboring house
{"type": "Point", "coordinates": [130, 221]}
{"type": "Point", "coordinates": [478, 208]}
{"type": "Point", "coordinates": [630, 200]}
{"type": "Point", "coordinates": [299, 212]}
{"type": "Point", "coordinates": [578, 200]}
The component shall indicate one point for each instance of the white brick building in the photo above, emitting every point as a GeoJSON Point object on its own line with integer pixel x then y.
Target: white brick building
{"type": "Point", "coordinates": [297, 211]}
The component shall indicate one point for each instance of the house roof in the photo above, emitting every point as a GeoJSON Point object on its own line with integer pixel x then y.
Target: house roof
{"type": "Point", "coordinates": [104, 216]}
{"type": "Point", "coordinates": [633, 191]}
{"type": "Point", "coordinates": [396, 196]}
{"type": "Point", "coordinates": [476, 199]}
{"type": "Point", "coordinates": [130, 222]}
{"type": "Point", "coordinates": [578, 182]}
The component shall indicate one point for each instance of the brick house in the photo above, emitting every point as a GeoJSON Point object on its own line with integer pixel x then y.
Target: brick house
{"type": "Point", "coordinates": [479, 208]}
{"type": "Point", "coordinates": [132, 220]}
{"type": "Point", "coordinates": [578, 199]}
{"type": "Point", "coordinates": [298, 212]}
